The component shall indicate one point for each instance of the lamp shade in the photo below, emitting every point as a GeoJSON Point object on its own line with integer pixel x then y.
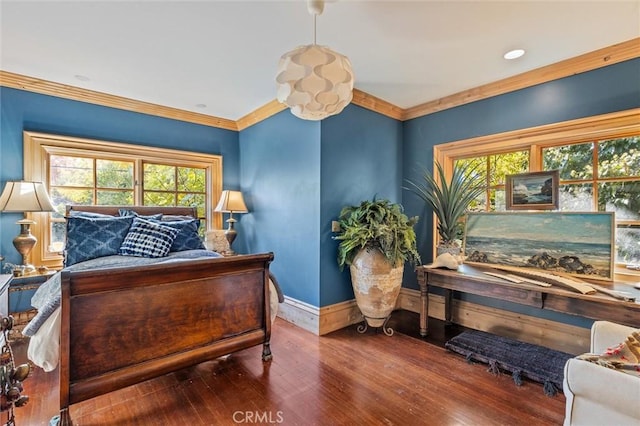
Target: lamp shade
{"type": "Point", "coordinates": [314, 82]}
{"type": "Point", "coordinates": [231, 202]}
{"type": "Point", "coordinates": [22, 196]}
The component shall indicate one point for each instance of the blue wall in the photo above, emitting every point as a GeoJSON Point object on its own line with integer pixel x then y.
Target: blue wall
{"type": "Point", "coordinates": [605, 90]}
{"type": "Point", "coordinates": [280, 179]}
{"type": "Point", "coordinates": [296, 175]}
{"type": "Point", "coordinates": [22, 110]}
{"type": "Point", "coordinates": [361, 158]}
{"type": "Point", "coordinates": [609, 89]}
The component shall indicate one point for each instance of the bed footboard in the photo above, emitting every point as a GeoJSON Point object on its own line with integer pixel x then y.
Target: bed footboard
{"type": "Point", "coordinates": [121, 326]}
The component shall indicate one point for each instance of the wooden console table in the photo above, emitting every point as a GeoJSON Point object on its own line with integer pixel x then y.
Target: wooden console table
{"type": "Point", "coordinates": [471, 279]}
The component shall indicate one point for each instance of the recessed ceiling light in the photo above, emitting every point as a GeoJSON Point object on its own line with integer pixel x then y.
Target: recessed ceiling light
{"type": "Point", "coordinates": [82, 77]}
{"type": "Point", "coordinates": [513, 54]}
{"type": "Point", "coordinates": [201, 105]}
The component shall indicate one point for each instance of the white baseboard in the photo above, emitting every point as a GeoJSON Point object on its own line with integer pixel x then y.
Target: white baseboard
{"type": "Point", "coordinates": [554, 335]}
{"type": "Point", "coordinates": [300, 313]}
{"type": "Point", "coordinates": [319, 321]}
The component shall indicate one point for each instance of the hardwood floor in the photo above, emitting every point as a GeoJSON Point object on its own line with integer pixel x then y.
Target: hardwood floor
{"type": "Point", "coordinates": [344, 378]}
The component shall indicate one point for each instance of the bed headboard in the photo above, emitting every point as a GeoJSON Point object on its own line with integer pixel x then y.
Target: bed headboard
{"type": "Point", "coordinates": [142, 210]}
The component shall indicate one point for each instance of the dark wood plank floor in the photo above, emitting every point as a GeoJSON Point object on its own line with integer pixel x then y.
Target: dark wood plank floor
{"type": "Point", "coordinates": [344, 378]}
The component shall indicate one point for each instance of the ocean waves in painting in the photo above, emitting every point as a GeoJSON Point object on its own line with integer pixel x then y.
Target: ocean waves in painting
{"type": "Point", "coordinates": [519, 252]}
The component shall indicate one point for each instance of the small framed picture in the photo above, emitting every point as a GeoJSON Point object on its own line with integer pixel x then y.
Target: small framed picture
{"type": "Point", "coordinates": [533, 191]}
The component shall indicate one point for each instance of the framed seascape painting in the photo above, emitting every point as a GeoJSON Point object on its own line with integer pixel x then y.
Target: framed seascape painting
{"type": "Point", "coordinates": [532, 191]}
{"type": "Point", "coordinates": [579, 244]}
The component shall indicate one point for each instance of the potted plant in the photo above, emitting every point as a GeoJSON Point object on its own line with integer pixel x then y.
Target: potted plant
{"type": "Point", "coordinates": [449, 200]}
{"type": "Point", "coordinates": [376, 239]}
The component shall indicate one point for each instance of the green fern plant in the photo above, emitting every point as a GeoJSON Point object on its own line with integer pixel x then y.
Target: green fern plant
{"type": "Point", "coordinates": [377, 224]}
{"type": "Point", "coordinates": [449, 199]}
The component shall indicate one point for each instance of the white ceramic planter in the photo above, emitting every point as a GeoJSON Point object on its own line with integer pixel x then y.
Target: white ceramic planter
{"type": "Point", "coordinates": [376, 285]}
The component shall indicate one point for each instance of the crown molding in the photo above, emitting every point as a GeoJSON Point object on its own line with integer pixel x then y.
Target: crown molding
{"type": "Point", "coordinates": [378, 105]}
{"type": "Point", "coordinates": [262, 113]}
{"type": "Point", "coordinates": [589, 61]}
{"type": "Point", "coordinates": [45, 87]}
{"type": "Point", "coordinates": [360, 98]}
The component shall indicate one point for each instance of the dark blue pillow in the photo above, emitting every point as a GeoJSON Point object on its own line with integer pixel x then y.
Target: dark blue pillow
{"type": "Point", "coordinates": [148, 239]}
{"type": "Point", "coordinates": [76, 213]}
{"type": "Point", "coordinates": [91, 237]}
{"type": "Point", "coordinates": [187, 238]}
{"type": "Point", "coordinates": [127, 212]}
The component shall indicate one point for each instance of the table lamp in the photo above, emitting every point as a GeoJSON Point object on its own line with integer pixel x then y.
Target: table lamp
{"type": "Point", "coordinates": [231, 202]}
{"type": "Point", "coordinates": [23, 197]}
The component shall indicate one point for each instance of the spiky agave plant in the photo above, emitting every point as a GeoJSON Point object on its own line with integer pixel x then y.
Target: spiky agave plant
{"type": "Point", "coordinates": [449, 199]}
{"type": "Point", "coordinates": [377, 224]}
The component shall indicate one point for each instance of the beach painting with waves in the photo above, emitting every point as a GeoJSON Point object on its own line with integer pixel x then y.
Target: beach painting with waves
{"type": "Point", "coordinates": [580, 244]}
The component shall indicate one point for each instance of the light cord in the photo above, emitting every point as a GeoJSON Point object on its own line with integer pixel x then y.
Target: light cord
{"type": "Point", "coordinates": [314, 28]}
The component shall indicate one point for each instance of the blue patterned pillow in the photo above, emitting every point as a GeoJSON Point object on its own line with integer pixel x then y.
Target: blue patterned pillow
{"type": "Point", "coordinates": [75, 213]}
{"type": "Point", "coordinates": [148, 239]}
{"type": "Point", "coordinates": [127, 212]}
{"type": "Point", "coordinates": [188, 238]}
{"type": "Point", "coordinates": [91, 237]}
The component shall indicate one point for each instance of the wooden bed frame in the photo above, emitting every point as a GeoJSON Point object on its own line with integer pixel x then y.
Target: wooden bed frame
{"type": "Point", "coordinates": [121, 326]}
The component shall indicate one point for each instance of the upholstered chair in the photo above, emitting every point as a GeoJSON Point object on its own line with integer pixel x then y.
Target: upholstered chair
{"type": "Point", "coordinates": [597, 395]}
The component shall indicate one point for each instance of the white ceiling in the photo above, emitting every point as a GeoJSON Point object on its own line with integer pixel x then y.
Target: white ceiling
{"type": "Point", "coordinates": [224, 54]}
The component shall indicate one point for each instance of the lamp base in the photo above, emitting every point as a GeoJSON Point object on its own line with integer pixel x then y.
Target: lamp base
{"type": "Point", "coordinates": [24, 243]}
{"type": "Point", "coordinates": [231, 235]}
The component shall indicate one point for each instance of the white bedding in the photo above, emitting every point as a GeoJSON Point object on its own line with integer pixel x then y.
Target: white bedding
{"type": "Point", "coordinates": [44, 346]}
{"type": "Point", "coordinates": [44, 329]}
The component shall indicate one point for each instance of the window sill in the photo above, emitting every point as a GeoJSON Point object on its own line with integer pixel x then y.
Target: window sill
{"type": "Point", "coordinates": [623, 275]}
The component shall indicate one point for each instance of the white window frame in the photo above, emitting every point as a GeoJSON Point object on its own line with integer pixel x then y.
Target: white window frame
{"type": "Point", "coordinates": [38, 147]}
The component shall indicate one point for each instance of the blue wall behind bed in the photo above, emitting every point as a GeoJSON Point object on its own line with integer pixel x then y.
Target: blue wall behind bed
{"type": "Point", "coordinates": [296, 174]}
{"type": "Point", "coordinates": [21, 110]}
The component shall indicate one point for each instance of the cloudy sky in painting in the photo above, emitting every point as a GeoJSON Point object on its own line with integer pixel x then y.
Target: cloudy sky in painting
{"type": "Point", "coordinates": [591, 228]}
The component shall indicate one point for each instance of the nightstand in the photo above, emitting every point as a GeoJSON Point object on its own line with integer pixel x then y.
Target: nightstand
{"type": "Point", "coordinates": [20, 292]}
{"type": "Point", "coordinates": [5, 282]}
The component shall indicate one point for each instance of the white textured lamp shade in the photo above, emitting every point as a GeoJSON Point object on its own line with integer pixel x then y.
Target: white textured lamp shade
{"type": "Point", "coordinates": [21, 196]}
{"type": "Point", "coordinates": [231, 202]}
{"type": "Point", "coordinates": [314, 82]}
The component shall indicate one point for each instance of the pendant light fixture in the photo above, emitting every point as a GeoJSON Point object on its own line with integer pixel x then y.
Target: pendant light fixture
{"type": "Point", "coordinates": [314, 81]}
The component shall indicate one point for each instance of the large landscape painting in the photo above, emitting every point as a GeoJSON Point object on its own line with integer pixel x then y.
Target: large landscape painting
{"type": "Point", "coordinates": [579, 244]}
